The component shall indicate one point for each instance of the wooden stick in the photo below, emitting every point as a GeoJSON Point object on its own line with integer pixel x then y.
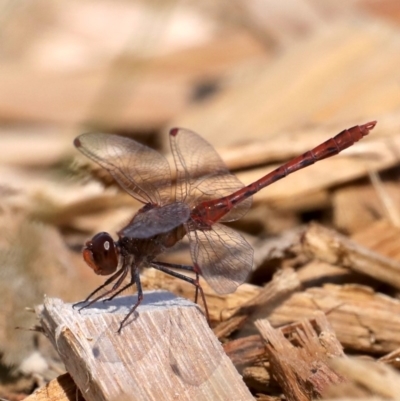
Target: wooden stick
{"type": "Point", "coordinates": [331, 247]}
{"type": "Point", "coordinates": [167, 351]}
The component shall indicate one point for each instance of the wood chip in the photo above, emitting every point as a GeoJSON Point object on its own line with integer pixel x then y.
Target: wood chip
{"type": "Point", "coordinates": [363, 320]}
{"type": "Point", "coordinates": [366, 378]}
{"type": "Point", "coordinates": [356, 208]}
{"type": "Point", "coordinates": [245, 350]}
{"type": "Point", "coordinates": [284, 283]}
{"type": "Point", "coordinates": [329, 246]}
{"type": "Point", "coordinates": [302, 370]}
{"type": "Point", "coordinates": [340, 74]}
{"type": "Point", "coordinates": [382, 237]}
{"type": "Point", "coordinates": [166, 352]}
{"type": "Point", "coordinates": [62, 388]}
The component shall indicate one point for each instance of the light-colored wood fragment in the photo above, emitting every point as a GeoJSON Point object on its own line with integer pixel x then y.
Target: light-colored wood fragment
{"type": "Point", "coordinates": [366, 378]}
{"type": "Point", "coordinates": [363, 320]}
{"type": "Point", "coordinates": [42, 147]}
{"type": "Point", "coordinates": [302, 370]}
{"type": "Point", "coordinates": [257, 377]}
{"type": "Point", "coordinates": [62, 388]}
{"type": "Point", "coordinates": [392, 358]}
{"type": "Point", "coordinates": [245, 350]}
{"type": "Point", "coordinates": [145, 93]}
{"type": "Point", "coordinates": [316, 273]}
{"type": "Point", "coordinates": [333, 75]}
{"type": "Point", "coordinates": [356, 208]}
{"type": "Point", "coordinates": [382, 237]}
{"type": "Point", "coordinates": [388, 203]}
{"type": "Point", "coordinates": [284, 283]}
{"type": "Point", "coordinates": [219, 305]}
{"type": "Point", "coordinates": [166, 352]}
{"type": "Point", "coordinates": [303, 333]}
{"type": "Point", "coordinates": [331, 247]}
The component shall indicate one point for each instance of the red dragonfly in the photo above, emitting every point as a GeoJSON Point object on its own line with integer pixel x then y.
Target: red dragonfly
{"type": "Point", "coordinates": [206, 194]}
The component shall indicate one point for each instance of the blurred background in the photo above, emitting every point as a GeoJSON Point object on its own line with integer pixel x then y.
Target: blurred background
{"type": "Point", "coordinates": [261, 80]}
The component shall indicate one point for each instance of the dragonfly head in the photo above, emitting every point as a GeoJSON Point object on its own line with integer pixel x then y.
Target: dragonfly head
{"type": "Point", "coordinates": [101, 254]}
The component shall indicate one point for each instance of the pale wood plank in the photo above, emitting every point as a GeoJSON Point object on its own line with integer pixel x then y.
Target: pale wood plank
{"type": "Point", "coordinates": [166, 352]}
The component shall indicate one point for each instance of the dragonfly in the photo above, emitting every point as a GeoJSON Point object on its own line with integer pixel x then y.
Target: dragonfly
{"type": "Point", "coordinates": [205, 195]}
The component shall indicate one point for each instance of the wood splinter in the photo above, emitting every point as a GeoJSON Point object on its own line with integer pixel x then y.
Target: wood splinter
{"type": "Point", "coordinates": [302, 369]}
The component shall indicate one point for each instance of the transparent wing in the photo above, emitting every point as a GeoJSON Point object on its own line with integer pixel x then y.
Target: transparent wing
{"type": "Point", "coordinates": [157, 221]}
{"type": "Point", "coordinates": [223, 256]}
{"type": "Point", "coordinates": [140, 170]}
{"type": "Point", "coordinates": [201, 173]}
{"type": "Point", "coordinates": [216, 187]}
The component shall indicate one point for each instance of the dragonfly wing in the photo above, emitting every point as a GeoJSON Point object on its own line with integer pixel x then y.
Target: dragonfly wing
{"type": "Point", "coordinates": [217, 187]}
{"type": "Point", "coordinates": [223, 256]}
{"type": "Point", "coordinates": [158, 220]}
{"type": "Point", "coordinates": [201, 173]}
{"type": "Point", "coordinates": [140, 170]}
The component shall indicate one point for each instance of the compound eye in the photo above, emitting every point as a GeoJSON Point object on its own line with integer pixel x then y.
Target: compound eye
{"type": "Point", "coordinates": [101, 254]}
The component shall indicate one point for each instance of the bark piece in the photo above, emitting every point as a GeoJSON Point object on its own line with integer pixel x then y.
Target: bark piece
{"type": "Point", "coordinates": [245, 350]}
{"type": "Point", "coordinates": [62, 388]}
{"type": "Point", "coordinates": [302, 370]}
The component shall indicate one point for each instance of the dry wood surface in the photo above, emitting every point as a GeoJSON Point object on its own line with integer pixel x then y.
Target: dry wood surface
{"type": "Point", "coordinates": [168, 352]}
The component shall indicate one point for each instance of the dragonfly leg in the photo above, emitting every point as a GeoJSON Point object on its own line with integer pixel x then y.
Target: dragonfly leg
{"type": "Point", "coordinates": [107, 282]}
{"type": "Point", "coordinates": [130, 284]}
{"type": "Point", "coordinates": [136, 280]}
{"type": "Point", "coordinates": [166, 268]}
{"type": "Point", "coordinates": [104, 294]}
{"type": "Point", "coordinates": [196, 295]}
